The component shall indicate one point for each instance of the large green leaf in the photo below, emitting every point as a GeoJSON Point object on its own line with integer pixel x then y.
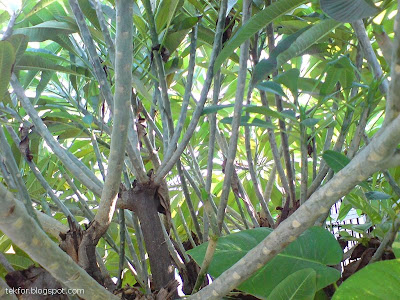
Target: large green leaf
{"type": "Point", "coordinates": [315, 248]}
{"type": "Point", "coordinates": [256, 23]}
{"type": "Point", "coordinates": [46, 30]}
{"type": "Point", "coordinates": [7, 59]}
{"type": "Point", "coordinates": [307, 39]}
{"type": "Point", "coordinates": [348, 11]}
{"type": "Point", "coordinates": [300, 285]}
{"type": "Point", "coordinates": [335, 160]}
{"type": "Point", "coordinates": [380, 280]}
{"type": "Point", "coordinates": [36, 62]}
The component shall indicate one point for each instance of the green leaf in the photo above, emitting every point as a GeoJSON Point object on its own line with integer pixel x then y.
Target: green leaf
{"type": "Point", "coordinates": [166, 12]}
{"type": "Point", "coordinates": [271, 87]}
{"type": "Point", "coordinates": [46, 30]}
{"type": "Point", "coordinates": [348, 11]}
{"type": "Point", "coordinates": [88, 119]}
{"type": "Point", "coordinates": [380, 280]}
{"type": "Point", "coordinates": [19, 42]}
{"type": "Point", "coordinates": [315, 248]}
{"type": "Point", "coordinates": [20, 261]}
{"type": "Point", "coordinates": [174, 38]}
{"type": "Point", "coordinates": [307, 39]}
{"type": "Point", "coordinates": [376, 195]}
{"type": "Point", "coordinates": [249, 121]}
{"type": "Point", "coordinates": [267, 66]}
{"type": "Point", "coordinates": [310, 122]}
{"type": "Point", "coordinates": [256, 23]}
{"type": "Point", "coordinates": [34, 61]}
{"type": "Point", "coordinates": [7, 59]}
{"type": "Point", "coordinates": [290, 79]}
{"type": "Point", "coordinates": [300, 285]}
{"type": "Point", "coordinates": [38, 7]}
{"type": "Point", "coordinates": [335, 160]}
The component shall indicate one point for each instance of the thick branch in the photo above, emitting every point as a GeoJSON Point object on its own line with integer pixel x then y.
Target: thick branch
{"type": "Point", "coordinates": [32, 240]}
{"type": "Point", "coordinates": [123, 89]}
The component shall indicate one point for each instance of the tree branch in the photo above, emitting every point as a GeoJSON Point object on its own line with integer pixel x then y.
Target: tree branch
{"type": "Point", "coordinates": [376, 156]}
{"type": "Point", "coordinates": [32, 240]}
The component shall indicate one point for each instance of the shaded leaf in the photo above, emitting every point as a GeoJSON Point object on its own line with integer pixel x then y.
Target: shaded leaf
{"type": "Point", "coordinates": [335, 160]}
{"type": "Point", "coordinates": [348, 11]}
{"type": "Point", "coordinates": [7, 59]}
{"type": "Point", "coordinates": [19, 42]}
{"type": "Point", "coordinates": [290, 79]}
{"type": "Point", "coordinates": [376, 195]}
{"type": "Point", "coordinates": [310, 122]}
{"type": "Point", "coordinates": [271, 87]}
{"type": "Point", "coordinates": [36, 62]}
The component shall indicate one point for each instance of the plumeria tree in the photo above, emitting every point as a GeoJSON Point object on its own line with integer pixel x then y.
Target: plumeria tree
{"type": "Point", "coordinates": [167, 149]}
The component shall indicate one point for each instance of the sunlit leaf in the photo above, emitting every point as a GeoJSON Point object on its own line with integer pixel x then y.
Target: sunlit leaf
{"type": "Point", "coordinates": [365, 284]}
